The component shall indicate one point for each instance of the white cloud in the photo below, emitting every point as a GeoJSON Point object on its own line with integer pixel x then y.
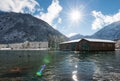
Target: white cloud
{"type": "Point", "coordinates": [103, 20]}
{"type": "Point", "coordinates": [22, 6]}
{"type": "Point", "coordinates": [59, 20]}
{"type": "Point", "coordinates": [31, 7]}
{"type": "Point", "coordinates": [54, 26]}
{"type": "Point", "coordinates": [71, 34]}
{"type": "Point", "coordinates": [52, 12]}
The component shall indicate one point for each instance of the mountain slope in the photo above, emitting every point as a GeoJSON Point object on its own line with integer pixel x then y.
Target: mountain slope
{"type": "Point", "coordinates": [78, 36]}
{"type": "Point", "coordinates": [17, 27]}
{"type": "Point", "coordinates": [111, 32]}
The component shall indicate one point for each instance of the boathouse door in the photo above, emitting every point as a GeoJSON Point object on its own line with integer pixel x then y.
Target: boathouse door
{"type": "Point", "coordinates": [85, 46]}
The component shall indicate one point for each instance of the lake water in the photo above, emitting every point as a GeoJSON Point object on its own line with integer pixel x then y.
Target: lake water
{"type": "Point", "coordinates": [60, 66]}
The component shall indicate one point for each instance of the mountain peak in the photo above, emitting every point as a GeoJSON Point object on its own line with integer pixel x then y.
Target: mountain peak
{"type": "Point", "coordinates": [18, 27]}
{"type": "Point", "coordinates": [77, 36]}
{"type": "Point", "coordinates": [111, 32]}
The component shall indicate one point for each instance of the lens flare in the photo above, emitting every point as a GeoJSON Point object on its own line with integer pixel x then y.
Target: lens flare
{"type": "Point", "coordinates": [39, 73]}
{"type": "Point", "coordinates": [46, 60]}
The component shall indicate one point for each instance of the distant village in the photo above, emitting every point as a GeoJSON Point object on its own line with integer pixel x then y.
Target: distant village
{"type": "Point", "coordinates": [25, 46]}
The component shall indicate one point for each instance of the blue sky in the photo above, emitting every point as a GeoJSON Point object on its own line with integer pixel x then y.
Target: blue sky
{"type": "Point", "coordinates": [95, 14]}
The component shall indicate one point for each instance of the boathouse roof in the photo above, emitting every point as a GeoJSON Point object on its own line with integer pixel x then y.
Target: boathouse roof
{"type": "Point", "coordinates": [99, 40]}
{"type": "Point", "coordinates": [71, 41]}
{"type": "Point", "coordinates": [89, 39]}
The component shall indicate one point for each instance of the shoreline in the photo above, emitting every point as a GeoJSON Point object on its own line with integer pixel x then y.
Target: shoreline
{"type": "Point", "coordinates": [26, 49]}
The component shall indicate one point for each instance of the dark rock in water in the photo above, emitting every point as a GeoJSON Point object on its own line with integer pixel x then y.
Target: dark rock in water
{"type": "Point", "coordinates": [16, 70]}
{"type": "Point", "coordinates": [12, 75]}
{"type": "Point", "coordinates": [20, 56]}
{"type": "Point", "coordinates": [66, 79]}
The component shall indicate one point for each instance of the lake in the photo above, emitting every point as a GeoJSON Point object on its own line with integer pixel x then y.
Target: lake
{"type": "Point", "coordinates": [60, 66]}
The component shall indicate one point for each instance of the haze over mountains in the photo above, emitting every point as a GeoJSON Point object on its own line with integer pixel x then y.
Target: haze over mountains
{"type": "Point", "coordinates": [110, 32]}
{"type": "Point", "coordinates": [17, 27]}
{"type": "Point", "coordinates": [77, 36]}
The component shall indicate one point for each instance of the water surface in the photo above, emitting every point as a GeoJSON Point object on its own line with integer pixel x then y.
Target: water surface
{"type": "Point", "coordinates": [60, 66]}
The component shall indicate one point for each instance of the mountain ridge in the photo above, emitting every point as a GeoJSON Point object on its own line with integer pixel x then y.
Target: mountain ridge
{"type": "Point", "coordinates": [18, 27]}
{"type": "Point", "coordinates": [109, 32]}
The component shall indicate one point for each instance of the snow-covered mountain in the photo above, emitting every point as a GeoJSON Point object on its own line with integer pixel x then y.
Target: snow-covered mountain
{"type": "Point", "coordinates": [111, 32]}
{"type": "Point", "coordinates": [17, 27]}
{"type": "Point", "coordinates": [77, 36]}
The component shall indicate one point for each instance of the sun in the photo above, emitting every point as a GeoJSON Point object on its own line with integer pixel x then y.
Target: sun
{"type": "Point", "coordinates": [75, 15]}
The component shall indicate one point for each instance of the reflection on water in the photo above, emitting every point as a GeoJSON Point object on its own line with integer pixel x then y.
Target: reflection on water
{"type": "Point", "coordinates": [60, 66]}
{"type": "Point", "coordinates": [74, 76]}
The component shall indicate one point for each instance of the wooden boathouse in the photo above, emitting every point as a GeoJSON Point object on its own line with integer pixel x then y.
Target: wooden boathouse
{"type": "Point", "coordinates": [87, 44]}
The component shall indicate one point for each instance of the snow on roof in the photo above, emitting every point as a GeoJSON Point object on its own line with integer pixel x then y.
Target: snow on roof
{"type": "Point", "coordinates": [72, 41]}
{"type": "Point", "coordinates": [99, 40]}
{"type": "Point", "coordinates": [88, 39]}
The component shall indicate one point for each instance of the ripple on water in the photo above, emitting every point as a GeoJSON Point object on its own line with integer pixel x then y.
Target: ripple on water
{"type": "Point", "coordinates": [107, 77]}
{"type": "Point", "coordinates": [63, 66]}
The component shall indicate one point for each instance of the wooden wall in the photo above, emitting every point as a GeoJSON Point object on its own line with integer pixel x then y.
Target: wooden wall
{"type": "Point", "coordinates": [85, 45]}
